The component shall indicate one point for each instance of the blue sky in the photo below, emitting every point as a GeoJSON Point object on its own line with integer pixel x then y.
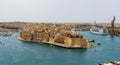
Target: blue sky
{"type": "Point", "coordinates": [60, 10]}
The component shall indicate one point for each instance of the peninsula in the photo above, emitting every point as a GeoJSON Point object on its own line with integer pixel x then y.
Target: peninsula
{"type": "Point", "coordinates": [59, 34]}
{"type": "Point", "coordinates": [55, 34]}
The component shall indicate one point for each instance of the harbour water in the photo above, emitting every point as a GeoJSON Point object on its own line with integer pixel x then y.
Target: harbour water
{"type": "Point", "coordinates": [16, 52]}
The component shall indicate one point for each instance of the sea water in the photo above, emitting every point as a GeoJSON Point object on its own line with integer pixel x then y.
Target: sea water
{"type": "Point", "coordinates": [16, 52]}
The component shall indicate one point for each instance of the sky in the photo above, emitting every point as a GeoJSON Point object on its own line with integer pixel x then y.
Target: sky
{"type": "Point", "coordinates": [59, 11]}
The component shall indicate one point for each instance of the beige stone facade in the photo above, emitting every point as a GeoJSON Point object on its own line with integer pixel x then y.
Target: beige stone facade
{"type": "Point", "coordinates": [81, 42]}
{"type": "Point", "coordinates": [26, 35]}
{"type": "Point", "coordinates": [55, 35]}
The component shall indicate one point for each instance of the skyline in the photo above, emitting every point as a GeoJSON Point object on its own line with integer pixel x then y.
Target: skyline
{"type": "Point", "coordinates": [51, 11]}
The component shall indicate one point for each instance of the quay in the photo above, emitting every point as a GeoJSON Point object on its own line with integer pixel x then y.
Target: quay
{"type": "Point", "coordinates": [58, 44]}
{"type": "Point", "coordinates": [65, 46]}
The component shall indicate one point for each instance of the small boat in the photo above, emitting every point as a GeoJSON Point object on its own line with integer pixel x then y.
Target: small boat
{"type": "Point", "coordinates": [91, 40]}
{"type": "Point", "coordinates": [98, 43]}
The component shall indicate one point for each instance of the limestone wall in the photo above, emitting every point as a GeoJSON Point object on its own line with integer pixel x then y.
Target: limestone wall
{"type": "Point", "coordinates": [26, 35]}
{"type": "Point", "coordinates": [81, 42]}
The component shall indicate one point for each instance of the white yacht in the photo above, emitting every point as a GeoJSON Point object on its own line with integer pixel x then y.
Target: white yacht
{"type": "Point", "coordinates": [99, 30]}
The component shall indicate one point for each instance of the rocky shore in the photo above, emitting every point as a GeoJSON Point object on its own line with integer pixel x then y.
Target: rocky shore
{"type": "Point", "coordinates": [111, 63]}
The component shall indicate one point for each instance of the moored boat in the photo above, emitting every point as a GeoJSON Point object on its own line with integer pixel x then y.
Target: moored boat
{"type": "Point", "coordinates": [99, 30]}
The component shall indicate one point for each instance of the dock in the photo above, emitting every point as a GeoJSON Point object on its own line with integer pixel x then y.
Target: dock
{"type": "Point", "coordinates": [63, 45]}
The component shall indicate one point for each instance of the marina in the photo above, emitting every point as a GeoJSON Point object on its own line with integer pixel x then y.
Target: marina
{"type": "Point", "coordinates": [6, 33]}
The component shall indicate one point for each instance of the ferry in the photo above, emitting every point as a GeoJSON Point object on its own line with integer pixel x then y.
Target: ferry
{"type": "Point", "coordinates": [99, 30]}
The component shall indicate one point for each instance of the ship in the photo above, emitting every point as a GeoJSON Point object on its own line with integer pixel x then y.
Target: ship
{"type": "Point", "coordinates": [99, 30]}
